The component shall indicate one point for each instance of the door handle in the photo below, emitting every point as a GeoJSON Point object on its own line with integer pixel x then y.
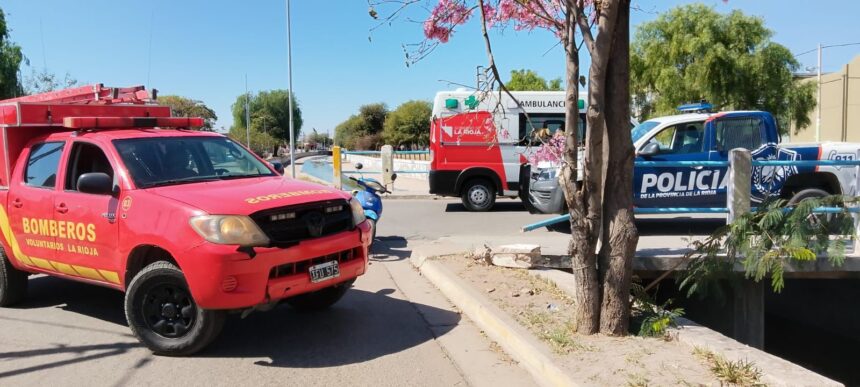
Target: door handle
{"type": "Point", "coordinates": [61, 208]}
{"type": "Point", "coordinates": [18, 203]}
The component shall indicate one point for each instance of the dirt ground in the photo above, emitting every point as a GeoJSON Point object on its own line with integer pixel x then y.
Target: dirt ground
{"type": "Point", "coordinates": [593, 360]}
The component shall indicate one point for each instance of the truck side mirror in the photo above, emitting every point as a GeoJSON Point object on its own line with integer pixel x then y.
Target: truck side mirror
{"type": "Point", "coordinates": [650, 149]}
{"type": "Point", "coordinates": [278, 166]}
{"type": "Point", "coordinates": [97, 183]}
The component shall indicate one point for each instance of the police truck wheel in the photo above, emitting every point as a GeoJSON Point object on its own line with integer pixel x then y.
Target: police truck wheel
{"type": "Point", "coordinates": [479, 195]}
{"type": "Point", "coordinates": [163, 316]}
{"type": "Point", "coordinates": [13, 282]}
{"type": "Point", "coordinates": [320, 299]}
{"type": "Point", "coordinates": [833, 221]}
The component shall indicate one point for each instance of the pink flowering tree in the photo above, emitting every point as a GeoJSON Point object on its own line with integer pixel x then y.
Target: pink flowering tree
{"type": "Point", "coordinates": [602, 203]}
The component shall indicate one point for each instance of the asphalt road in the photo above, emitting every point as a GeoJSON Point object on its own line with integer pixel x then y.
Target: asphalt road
{"type": "Point", "coordinates": [392, 329]}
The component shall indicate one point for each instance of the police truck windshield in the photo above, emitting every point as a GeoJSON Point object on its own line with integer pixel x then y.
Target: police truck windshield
{"type": "Point", "coordinates": [176, 160]}
{"type": "Point", "coordinates": [642, 129]}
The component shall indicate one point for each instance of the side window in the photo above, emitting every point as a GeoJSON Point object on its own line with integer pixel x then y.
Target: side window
{"type": "Point", "coordinates": [85, 158]}
{"type": "Point", "coordinates": [739, 133]}
{"type": "Point", "coordinates": [42, 164]}
{"type": "Point", "coordinates": [539, 125]}
{"type": "Point", "coordinates": [681, 139]}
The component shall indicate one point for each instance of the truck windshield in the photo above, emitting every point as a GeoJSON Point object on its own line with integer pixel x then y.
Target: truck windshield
{"type": "Point", "coordinates": [642, 129]}
{"type": "Point", "coordinates": [161, 161]}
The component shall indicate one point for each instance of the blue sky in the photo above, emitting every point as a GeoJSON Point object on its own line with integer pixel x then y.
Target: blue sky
{"type": "Point", "coordinates": [203, 49]}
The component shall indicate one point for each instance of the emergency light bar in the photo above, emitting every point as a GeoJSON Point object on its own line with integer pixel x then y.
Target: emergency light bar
{"type": "Point", "coordinates": [131, 122]}
{"type": "Point", "coordinates": [700, 107]}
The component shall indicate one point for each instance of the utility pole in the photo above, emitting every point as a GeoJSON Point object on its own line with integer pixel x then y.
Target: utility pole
{"type": "Point", "coordinates": [291, 96]}
{"type": "Point", "coordinates": [818, 101]}
{"type": "Point", "coordinates": [247, 113]}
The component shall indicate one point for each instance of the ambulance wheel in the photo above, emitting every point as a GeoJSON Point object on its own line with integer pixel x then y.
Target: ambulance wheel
{"type": "Point", "coordinates": [479, 195]}
{"type": "Point", "coordinates": [162, 313]}
{"type": "Point", "coordinates": [320, 299]}
{"type": "Point", "coordinates": [13, 282]}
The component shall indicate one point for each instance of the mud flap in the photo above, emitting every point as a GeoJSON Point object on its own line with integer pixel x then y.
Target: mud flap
{"type": "Point", "coordinates": [525, 180]}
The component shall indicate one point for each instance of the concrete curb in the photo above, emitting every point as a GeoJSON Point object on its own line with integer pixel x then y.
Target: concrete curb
{"type": "Point", "coordinates": [775, 371]}
{"type": "Point", "coordinates": [501, 328]}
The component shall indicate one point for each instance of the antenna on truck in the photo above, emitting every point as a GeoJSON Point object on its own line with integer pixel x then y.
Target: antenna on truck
{"type": "Point", "coordinates": [96, 94]}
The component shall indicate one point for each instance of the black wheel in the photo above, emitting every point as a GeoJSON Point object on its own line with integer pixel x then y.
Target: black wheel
{"type": "Point", "coordinates": [13, 282]}
{"type": "Point", "coordinates": [163, 316]}
{"type": "Point", "coordinates": [479, 195]}
{"type": "Point", "coordinates": [833, 222]}
{"type": "Point", "coordinates": [372, 230]}
{"type": "Point", "coordinates": [320, 299]}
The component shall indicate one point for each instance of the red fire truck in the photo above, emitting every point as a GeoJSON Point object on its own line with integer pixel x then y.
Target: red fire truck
{"type": "Point", "coordinates": [101, 185]}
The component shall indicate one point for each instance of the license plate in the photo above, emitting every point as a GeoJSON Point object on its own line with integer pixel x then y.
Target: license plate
{"type": "Point", "coordinates": [324, 271]}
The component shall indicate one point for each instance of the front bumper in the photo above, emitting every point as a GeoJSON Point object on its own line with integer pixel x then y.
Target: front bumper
{"type": "Point", "coordinates": [546, 196]}
{"type": "Point", "coordinates": [220, 277]}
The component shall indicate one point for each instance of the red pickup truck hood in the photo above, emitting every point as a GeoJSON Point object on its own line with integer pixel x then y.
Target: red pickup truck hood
{"type": "Point", "coordinates": [246, 196]}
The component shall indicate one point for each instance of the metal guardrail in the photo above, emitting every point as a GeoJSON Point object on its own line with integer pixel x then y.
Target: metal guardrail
{"type": "Point", "coordinates": [716, 210]}
{"type": "Point", "coordinates": [421, 152]}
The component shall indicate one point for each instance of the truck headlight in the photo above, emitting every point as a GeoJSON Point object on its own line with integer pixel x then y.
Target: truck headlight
{"type": "Point", "coordinates": [357, 211]}
{"type": "Point", "coordinates": [229, 230]}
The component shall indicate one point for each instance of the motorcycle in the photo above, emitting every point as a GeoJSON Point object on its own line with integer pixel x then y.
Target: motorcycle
{"type": "Point", "coordinates": [369, 197]}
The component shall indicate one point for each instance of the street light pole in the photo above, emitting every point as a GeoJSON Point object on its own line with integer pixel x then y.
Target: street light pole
{"type": "Point", "coordinates": [818, 101]}
{"type": "Point", "coordinates": [247, 114]}
{"type": "Point", "coordinates": [291, 96]}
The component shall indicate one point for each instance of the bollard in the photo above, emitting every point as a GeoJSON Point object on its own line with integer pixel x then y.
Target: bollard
{"type": "Point", "coordinates": [336, 167]}
{"type": "Point", "coordinates": [387, 156]}
{"type": "Point", "coordinates": [739, 183]}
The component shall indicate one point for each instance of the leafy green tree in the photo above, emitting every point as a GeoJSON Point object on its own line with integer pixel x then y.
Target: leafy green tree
{"type": "Point", "coordinates": [45, 81]}
{"type": "Point", "coordinates": [270, 110]}
{"type": "Point", "coordinates": [528, 80]}
{"type": "Point", "coordinates": [10, 61]}
{"type": "Point", "coordinates": [693, 52]}
{"type": "Point", "coordinates": [261, 142]}
{"type": "Point", "coordinates": [362, 130]}
{"type": "Point", "coordinates": [408, 124]}
{"type": "Point", "coordinates": [187, 107]}
{"type": "Point", "coordinates": [318, 140]}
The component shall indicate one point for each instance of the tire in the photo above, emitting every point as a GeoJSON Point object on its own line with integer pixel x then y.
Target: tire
{"type": "Point", "coordinates": [163, 315]}
{"type": "Point", "coordinates": [479, 195]}
{"type": "Point", "coordinates": [320, 299]}
{"type": "Point", "coordinates": [833, 221]}
{"type": "Point", "coordinates": [806, 194]}
{"type": "Point", "coordinates": [372, 230]}
{"type": "Point", "coordinates": [13, 282]}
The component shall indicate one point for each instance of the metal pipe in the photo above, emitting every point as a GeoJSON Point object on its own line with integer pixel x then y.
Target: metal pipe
{"type": "Point", "coordinates": [290, 96]}
{"type": "Point", "coordinates": [818, 113]}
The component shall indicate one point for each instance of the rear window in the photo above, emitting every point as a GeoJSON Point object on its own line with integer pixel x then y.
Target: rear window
{"type": "Point", "coordinates": [739, 133]}
{"type": "Point", "coordinates": [42, 164]}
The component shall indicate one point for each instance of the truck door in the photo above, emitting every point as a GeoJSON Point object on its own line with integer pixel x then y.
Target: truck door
{"type": "Point", "coordinates": [87, 222]}
{"type": "Point", "coordinates": [674, 186]}
{"type": "Point", "coordinates": [31, 203]}
{"type": "Point", "coordinates": [753, 131]}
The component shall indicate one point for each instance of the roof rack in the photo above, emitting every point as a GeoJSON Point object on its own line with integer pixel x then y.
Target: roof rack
{"type": "Point", "coordinates": [95, 94]}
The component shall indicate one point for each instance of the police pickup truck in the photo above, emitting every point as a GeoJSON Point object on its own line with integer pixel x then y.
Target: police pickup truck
{"type": "Point", "coordinates": [704, 136]}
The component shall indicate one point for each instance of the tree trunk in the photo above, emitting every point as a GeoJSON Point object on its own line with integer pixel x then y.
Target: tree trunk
{"type": "Point", "coordinates": [619, 230]}
{"type": "Point", "coordinates": [587, 307]}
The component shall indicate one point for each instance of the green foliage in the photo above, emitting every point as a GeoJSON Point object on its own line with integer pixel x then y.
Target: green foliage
{"type": "Point", "coordinates": [732, 373]}
{"type": "Point", "coordinates": [693, 52]}
{"type": "Point", "coordinates": [187, 107]}
{"type": "Point", "coordinates": [528, 80]}
{"type": "Point", "coordinates": [408, 124]}
{"type": "Point", "coordinates": [269, 114]}
{"type": "Point", "coordinates": [362, 130]}
{"type": "Point", "coordinates": [318, 139]}
{"type": "Point", "coordinates": [653, 319]}
{"type": "Point", "coordinates": [45, 81]}
{"type": "Point", "coordinates": [261, 143]}
{"type": "Point", "coordinates": [10, 61]}
{"type": "Point", "coordinates": [764, 242]}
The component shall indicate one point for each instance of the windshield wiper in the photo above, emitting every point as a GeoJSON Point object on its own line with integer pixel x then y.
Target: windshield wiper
{"type": "Point", "coordinates": [230, 177]}
{"type": "Point", "coordinates": [191, 179]}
